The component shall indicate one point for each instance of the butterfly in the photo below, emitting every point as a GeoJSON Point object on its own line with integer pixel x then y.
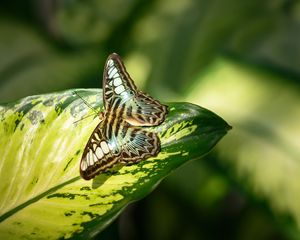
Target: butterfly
{"type": "Point", "coordinates": [120, 136]}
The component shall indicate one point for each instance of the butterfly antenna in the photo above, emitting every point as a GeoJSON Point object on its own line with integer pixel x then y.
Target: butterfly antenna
{"type": "Point", "coordinates": [86, 103]}
{"type": "Point", "coordinates": [84, 118]}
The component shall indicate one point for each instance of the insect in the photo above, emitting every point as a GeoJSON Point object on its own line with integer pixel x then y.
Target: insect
{"type": "Point", "coordinates": [119, 137]}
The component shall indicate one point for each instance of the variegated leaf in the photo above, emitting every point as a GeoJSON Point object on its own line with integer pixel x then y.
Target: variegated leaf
{"type": "Point", "coordinates": [42, 195]}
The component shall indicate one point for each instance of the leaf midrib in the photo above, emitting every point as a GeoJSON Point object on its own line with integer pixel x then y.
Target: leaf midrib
{"type": "Point", "coordinates": [11, 212]}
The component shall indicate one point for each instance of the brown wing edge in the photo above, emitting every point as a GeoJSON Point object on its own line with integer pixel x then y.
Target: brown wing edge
{"type": "Point", "coordinates": [95, 170]}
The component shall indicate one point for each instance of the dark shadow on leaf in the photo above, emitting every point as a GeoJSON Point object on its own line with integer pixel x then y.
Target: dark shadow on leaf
{"type": "Point", "coordinates": [99, 180]}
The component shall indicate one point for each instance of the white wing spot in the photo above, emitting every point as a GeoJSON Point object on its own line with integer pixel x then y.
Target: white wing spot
{"type": "Point", "coordinates": [97, 136]}
{"type": "Point", "coordinates": [94, 146]}
{"type": "Point", "coordinates": [90, 158]}
{"type": "Point", "coordinates": [125, 96]}
{"type": "Point", "coordinates": [104, 147]}
{"type": "Point", "coordinates": [110, 62]}
{"type": "Point", "coordinates": [83, 165]}
{"type": "Point", "coordinates": [112, 73]}
{"type": "Point", "coordinates": [117, 81]}
{"type": "Point", "coordinates": [95, 158]}
{"type": "Point", "coordinates": [112, 145]}
{"type": "Point", "coordinates": [99, 153]}
{"type": "Point", "coordinates": [116, 75]}
{"type": "Point", "coordinates": [119, 89]}
{"type": "Point", "coordinates": [109, 70]}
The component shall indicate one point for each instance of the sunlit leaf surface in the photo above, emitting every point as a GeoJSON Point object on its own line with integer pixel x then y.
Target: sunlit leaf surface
{"type": "Point", "coordinates": [42, 195]}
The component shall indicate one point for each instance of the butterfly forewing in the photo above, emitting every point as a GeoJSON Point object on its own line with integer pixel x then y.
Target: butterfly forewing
{"type": "Point", "coordinates": [99, 154]}
{"type": "Point", "coordinates": [116, 80]}
{"type": "Point", "coordinates": [119, 137]}
{"type": "Point", "coordinates": [141, 109]}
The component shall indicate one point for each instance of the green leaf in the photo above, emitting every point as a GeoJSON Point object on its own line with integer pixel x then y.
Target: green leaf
{"type": "Point", "coordinates": [42, 195]}
{"type": "Point", "coordinates": [83, 24]}
{"type": "Point", "coordinates": [29, 70]}
{"type": "Point", "coordinates": [262, 153]}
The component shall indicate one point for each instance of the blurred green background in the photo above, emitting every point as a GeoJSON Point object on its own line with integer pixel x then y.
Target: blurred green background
{"type": "Point", "coordinates": [237, 58]}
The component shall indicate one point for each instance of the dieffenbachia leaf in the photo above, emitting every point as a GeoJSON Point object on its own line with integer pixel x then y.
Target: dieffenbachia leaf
{"type": "Point", "coordinates": [42, 195]}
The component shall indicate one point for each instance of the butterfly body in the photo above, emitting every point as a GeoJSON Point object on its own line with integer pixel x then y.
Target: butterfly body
{"type": "Point", "coordinates": [119, 136]}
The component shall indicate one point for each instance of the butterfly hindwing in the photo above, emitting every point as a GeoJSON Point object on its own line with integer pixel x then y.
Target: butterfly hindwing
{"type": "Point", "coordinates": [138, 144]}
{"type": "Point", "coordinates": [143, 110]}
{"type": "Point", "coordinates": [130, 142]}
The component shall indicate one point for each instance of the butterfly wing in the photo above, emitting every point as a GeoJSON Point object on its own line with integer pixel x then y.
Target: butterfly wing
{"type": "Point", "coordinates": [99, 154]}
{"type": "Point", "coordinates": [116, 81]}
{"type": "Point", "coordinates": [128, 145]}
{"type": "Point", "coordinates": [116, 138]}
{"type": "Point", "coordinates": [138, 144]}
{"type": "Point", "coordinates": [141, 109]}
